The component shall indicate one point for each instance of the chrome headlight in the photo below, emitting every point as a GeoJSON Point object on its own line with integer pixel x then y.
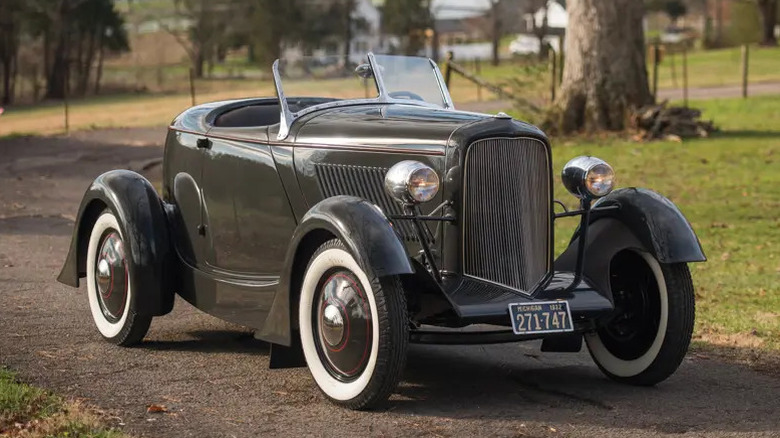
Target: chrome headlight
{"type": "Point", "coordinates": [411, 182]}
{"type": "Point", "coordinates": [588, 177]}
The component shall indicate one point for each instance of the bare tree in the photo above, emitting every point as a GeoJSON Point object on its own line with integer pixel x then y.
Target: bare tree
{"type": "Point", "coordinates": [604, 75]}
{"type": "Point", "coordinates": [207, 24]}
{"type": "Point", "coordinates": [10, 33]}
{"type": "Point", "coordinates": [539, 29]}
{"type": "Point", "coordinates": [769, 13]}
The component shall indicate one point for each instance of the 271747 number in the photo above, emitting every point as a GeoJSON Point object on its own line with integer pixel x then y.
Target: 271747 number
{"type": "Point", "coordinates": [540, 317]}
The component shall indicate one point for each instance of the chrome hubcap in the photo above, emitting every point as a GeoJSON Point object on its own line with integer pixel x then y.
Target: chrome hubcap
{"type": "Point", "coordinates": [343, 323]}
{"type": "Point", "coordinates": [111, 276]}
{"type": "Point", "coordinates": [332, 325]}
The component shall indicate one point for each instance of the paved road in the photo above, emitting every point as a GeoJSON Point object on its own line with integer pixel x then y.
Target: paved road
{"type": "Point", "coordinates": [214, 376]}
{"type": "Point", "coordinates": [755, 89]}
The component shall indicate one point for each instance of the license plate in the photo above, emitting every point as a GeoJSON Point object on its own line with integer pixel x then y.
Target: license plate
{"type": "Point", "coordinates": [541, 317]}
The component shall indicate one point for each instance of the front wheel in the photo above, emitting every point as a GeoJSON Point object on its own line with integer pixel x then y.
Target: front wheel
{"type": "Point", "coordinates": [111, 295]}
{"type": "Point", "coordinates": [650, 330]}
{"type": "Point", "coordinates": [354, 328]}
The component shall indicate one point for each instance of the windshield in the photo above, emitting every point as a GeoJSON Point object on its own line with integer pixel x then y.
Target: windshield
{"type": "Point", "coordinates": [307, 83]}
{"type": "Point", "coordinates": [410, 77]}
{"type": "Point", "coordinates": [324, 77]}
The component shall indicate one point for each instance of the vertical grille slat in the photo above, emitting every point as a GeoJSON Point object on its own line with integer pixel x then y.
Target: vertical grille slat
{"type": "Point", "coordinates": [506, 238]}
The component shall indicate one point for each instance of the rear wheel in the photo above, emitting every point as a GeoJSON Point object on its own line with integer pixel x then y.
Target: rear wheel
{"type": "Point", "coordinates": [354, 328]}
{"type": "Point", "coordinates": [111, 297]}
{"type": "Point", "coordinates": [648, 335]}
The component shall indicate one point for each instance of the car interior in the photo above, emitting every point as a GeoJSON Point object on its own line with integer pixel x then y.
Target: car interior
{"type": "Point", "coordinates": [261, 112]}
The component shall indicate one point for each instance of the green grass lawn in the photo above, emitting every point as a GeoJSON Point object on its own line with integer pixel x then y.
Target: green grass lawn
{"type": "Point", "coordinates": [728, 186]}
{"type": "Point", "coordinates": [712, 68]}
{"type": "Point", "coordinates": [32, 412]}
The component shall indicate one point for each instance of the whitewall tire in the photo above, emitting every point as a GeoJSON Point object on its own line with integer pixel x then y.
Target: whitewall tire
{"type": "Point", "coordinates": [353, 328]}
{"type": "Point", "coordinates": [648, 335]}
{"type": "Point", "coordinates": [109, 286]}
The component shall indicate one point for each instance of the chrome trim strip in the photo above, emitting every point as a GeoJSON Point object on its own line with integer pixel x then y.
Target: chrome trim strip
{"type": "Point", "coordinates": [361, 148]}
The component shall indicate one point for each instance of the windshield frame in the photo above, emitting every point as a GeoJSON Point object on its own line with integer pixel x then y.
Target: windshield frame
{"type": "Point", "coordinates": [287, 117]}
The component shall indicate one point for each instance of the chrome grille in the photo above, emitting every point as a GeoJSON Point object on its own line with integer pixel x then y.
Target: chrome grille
{"type": "Point", "coordinates": [507, 210]}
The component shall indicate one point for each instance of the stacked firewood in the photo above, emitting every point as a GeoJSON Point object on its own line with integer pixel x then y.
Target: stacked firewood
{"type": "Point", "coordinates": [663, 122]}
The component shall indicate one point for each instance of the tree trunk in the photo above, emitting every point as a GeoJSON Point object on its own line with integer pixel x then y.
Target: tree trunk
{"type": "Point", "coordinates": [55, 83]}
{"type": "Point", "coordinates": [57, 75]}
{"type": "Point", "coordinates": [541, 32]}
{"type": "Point", "coordinates": [496, 32]}
{"type": "Point", "coordinates": [604, 75]}
{"type": "Point", "coordinates": [348, 6]}
{"type": "Point", "coordinates": [8, 88]}
{"type": "Point", "coordinates": [769, 19]}
{"type": "Point", "coordinates": [99, 71]}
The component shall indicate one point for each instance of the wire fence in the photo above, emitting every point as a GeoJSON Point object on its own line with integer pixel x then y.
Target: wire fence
{"type": "Point", "coordinates": [527, 84]}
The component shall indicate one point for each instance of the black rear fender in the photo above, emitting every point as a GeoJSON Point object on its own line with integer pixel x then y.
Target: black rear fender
{"type": "Point", "coordinates": [140, 213]}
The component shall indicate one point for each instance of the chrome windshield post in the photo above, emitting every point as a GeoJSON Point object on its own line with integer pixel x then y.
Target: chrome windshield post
{"type": "Point", "coordinates": [445, 92]}
{"type": "Point", "coordinates": [286, 117]}
{"type": "Point", "coordinates": [380, 82]}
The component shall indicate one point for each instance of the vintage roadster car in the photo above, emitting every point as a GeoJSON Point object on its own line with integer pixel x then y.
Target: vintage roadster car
{"type": "Point", "coordinates": [341, 230]}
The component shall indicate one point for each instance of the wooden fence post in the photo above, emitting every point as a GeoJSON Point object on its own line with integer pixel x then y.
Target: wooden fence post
{"type": "Point", "coordinates": [479, 86]}
{"type": "Point", "coordinates": [745, 55]}
{"type": "Point", "coordinates": [685, 76]}
{"type": "Point", "coordinates": [656, 61]}
{"type": "Point", "coordinates": [553, 74]}
{"type": "Point", "coordinates": [192, 86]}
{"type": "Point", "coordinates": [448, 69]}
{"type": "Point", "coordinates": [560, 60]}
{"type": "Point", "coordinates": [66, 92]}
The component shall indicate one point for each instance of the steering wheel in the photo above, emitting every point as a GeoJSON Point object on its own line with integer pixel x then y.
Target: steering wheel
{"type": "Point", "coordinates": [406, 95]}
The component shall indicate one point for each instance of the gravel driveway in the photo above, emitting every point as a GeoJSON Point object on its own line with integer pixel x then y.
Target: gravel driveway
{"type": "Point", "coordinates": [213, 377]}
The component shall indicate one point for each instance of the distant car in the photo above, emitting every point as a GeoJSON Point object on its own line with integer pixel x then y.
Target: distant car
{"type": "Point", "coordinates": [529, 44]}
{"type": "Point", "coordinates": [678, 35]}
{"type": "Point", "coordinates": [341, 230]}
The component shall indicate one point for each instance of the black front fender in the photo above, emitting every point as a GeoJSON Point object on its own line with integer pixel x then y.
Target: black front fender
{"type": "Point", "coordinates": [139, 211]}
{"type": "Point", "coordinates": [361, 226]}
{"type": "Point", "coordinates": [656, 222]}
{"type": "Point", "coordinates": [644, 220]}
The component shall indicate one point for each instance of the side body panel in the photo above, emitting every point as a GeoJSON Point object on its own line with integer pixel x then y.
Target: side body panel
{"type": "Point", "coordinates": [249, 224]}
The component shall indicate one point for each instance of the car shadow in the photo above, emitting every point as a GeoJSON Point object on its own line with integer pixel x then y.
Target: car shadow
{"type": "Point", "coordinates": [211, 341]}
{"type": "Point", "coordinates": [516, 382]}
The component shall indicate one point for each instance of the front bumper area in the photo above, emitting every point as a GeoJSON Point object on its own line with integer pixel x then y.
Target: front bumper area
{"type": "Point", "coordinates": [477, 301]}
{"type": "Point", "coordinates": [485, 306]}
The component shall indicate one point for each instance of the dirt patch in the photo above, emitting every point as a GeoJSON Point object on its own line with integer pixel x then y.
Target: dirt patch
{"type": "Point", "coordinates": [739, 340]}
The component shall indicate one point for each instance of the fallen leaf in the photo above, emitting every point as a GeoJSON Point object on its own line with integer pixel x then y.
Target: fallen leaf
{"type": "Point", "coordinates": [156, 409]}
